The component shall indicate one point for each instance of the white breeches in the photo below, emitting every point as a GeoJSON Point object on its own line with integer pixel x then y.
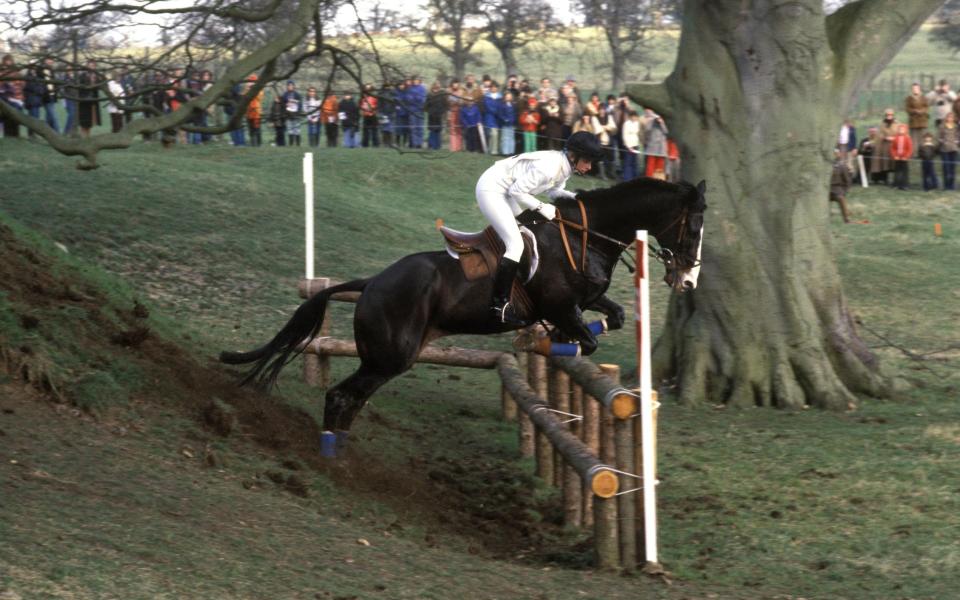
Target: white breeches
{"type": "Point", "coordinates": [495, 208]}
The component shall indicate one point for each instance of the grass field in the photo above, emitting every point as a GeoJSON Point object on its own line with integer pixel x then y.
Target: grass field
{"type": "Point", "coordinates": [139, 501]}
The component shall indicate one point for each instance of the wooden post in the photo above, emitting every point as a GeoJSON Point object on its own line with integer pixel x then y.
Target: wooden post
{"type": "Point", "coordinates": [316, 367]}
{"type": "Point", "coordinates": [605, 511]}
{"type": "Point", "coordinates": [591, 439]}
{"type": "Point", "coordinates": [526, 425]}
{"type": "Point", "coordinates": [544, 451]}
{"type": "Point", "coordinates": [572, 484]}
{"type": "Point", "coordinates": [509, 407]}
{"type": "Point", "coordinates": [624, 461]}
{"type": "Point", "coordinates": [559, 400]}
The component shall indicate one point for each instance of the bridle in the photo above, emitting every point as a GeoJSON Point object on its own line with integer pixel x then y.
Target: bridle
{"type": "Point", "coordinates": [663, 255]}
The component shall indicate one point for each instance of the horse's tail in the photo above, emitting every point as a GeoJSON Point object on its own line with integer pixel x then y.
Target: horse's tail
{"type": "Point", "coordinates": [270, 358]}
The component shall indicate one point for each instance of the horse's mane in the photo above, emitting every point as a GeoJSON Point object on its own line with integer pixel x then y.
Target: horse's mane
{"type": "Point", "coordinates": [629, 189]}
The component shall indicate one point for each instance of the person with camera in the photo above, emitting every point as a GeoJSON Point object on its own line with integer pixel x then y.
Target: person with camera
{"type": "Point", "coordinates": [941, 99]}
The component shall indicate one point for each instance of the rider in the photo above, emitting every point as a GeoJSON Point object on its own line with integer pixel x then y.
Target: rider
{"type": "Point", "coordinates": [507, 189]}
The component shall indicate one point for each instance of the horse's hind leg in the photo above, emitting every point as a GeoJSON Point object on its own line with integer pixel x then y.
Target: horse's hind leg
{"type": "Point", "coordinates": [345, 399]}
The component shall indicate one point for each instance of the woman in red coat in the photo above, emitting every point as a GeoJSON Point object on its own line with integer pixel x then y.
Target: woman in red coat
{"type": "Point", "coordinates": [901, 149]}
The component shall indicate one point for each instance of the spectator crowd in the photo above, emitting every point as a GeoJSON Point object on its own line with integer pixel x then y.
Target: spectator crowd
{"type": "Point", "coordinates": [468, 116]}
{"type": "Point", "coordinates": [929, 132]}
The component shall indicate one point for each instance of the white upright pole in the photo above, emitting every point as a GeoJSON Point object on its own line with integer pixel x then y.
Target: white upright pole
{"type": "Point", "coordinates": [863, 171]}
{"type": "Point", "coordinates": [308, 210]}
{"type": "Point", "coordinates": [647, 404]}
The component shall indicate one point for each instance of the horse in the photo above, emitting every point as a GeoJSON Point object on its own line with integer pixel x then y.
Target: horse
{"type": "Point", "coordinates": [425, 296]}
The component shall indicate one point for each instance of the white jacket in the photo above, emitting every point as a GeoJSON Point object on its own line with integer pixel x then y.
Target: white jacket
{"type": "Point", "coordinates": [631, 135]}
{"type": "Point", "coordinates": [523, 176]}
{"type": "Point", "coordinates": [117, 91]}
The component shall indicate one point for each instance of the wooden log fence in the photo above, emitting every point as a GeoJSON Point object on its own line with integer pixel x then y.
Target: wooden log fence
{"type": "Point", "coordinates": [573, 416]}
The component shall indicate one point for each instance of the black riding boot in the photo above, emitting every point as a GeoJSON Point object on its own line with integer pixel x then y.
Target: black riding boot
{"type": "Point", "coordinates": [502, 282]}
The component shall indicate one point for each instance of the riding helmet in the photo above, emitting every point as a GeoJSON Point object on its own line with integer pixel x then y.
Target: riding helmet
{"type": "Point", "coordinates": [585, 145]}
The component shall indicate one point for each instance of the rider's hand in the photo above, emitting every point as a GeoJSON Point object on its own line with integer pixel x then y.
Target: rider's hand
{"type": "Point", "coordinates": [549, 211]}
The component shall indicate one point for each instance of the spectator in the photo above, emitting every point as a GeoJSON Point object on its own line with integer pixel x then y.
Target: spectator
{"type": "Point", "coordinates": [847, 140]}
{"type": "Point", "coordinates": [329, 115]}
{"type": "Point", "coordinates": [311, 106]}
{"type": "Point", "coordinates": [631, 144]}
{"type": "Point", "coordinates": [570, 110]}
{"type": "Point", "coordinates": [673, 161]}
{"type": "Point", "coordinates": [866, 150]}
{"type": "Point", "coordinates": [948, 136]}
{"type": "Point", "coordinates": [32, 96]}
{"type": "Point", "coordinates": [387, 113]}
{"type": "Point", "coordinates": [607, 131]}
{"type": "Point", "coordinates": [546, 91]}
{"type": "Point", "coordinates": [11, 92]}
{"type": "Point", "coordinates": [417, 96]}
{"type": "Point", "coordinates": [928, 153]}
{"type": "Point", "coordinates": [472, 90]}
{"type": "Point", "coordinates": [401, 119]}
{"type": "Point", "coordinates": [88, 106]}
{"type": "Point", "coordinates": [592, 107]}
{"type": "Point", "coordinates": [129, 91]}
{"type": "Point", "coordinates": [901, 150]}
{"type": "Point", "coordinates": [254, 113]}
{"type": "Point", "coordinates": [491, 118]}
{"type": "Point", "coordinates": [882, 164]}
{"type": "Point", "coordinates": [44, 81]}
{"type": "Point", "coordinates": [278, 120]}
{"type": "Point", "coordinates": [349, 114]}
{"type": "Point", "coordinates": [115, 103]}
{"type": "Point", "coordinates": [292, 112]}
{"type": "Point", "coordinates": [551, 124]}
{"type": "Point", "coordinates": [840, 184]}
{"type": "Point", "coordinates": [70, 101]}
{"type": "Point", "coordinates": [508, 119]}
{"type": "Point", "coordinates": [530, 124]}
{"type": "Point", "coordinates": [574, 91]}
{"type": "Point", "coordinates": [454, 102]}
{"type": "Point", "coordinates": [655, 144]}
{"type": "Point", "coordinates": [941, 99]}
{"type": "Point", "coordinates": [918, 114]}
{"type": "Point", "coordinates": [470, 122]}
{"type": "Point", "coordinates": [230, 109]}
{"type": "Point", "coordinates": [436, 111]}
{"type": "Point", "coordinates": [369, 117]}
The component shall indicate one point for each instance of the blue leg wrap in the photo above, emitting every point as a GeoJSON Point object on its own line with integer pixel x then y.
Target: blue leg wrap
{"type": "Point", "coordinates": [328, 444]}
{"type": "Point", "coordinates": [558, 349]}
{"type": "Point", "coordinates": [598, 327]}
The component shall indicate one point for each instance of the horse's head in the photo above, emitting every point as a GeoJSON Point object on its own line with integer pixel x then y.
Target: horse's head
{"type": "Point", "coordinates": [682, 239]}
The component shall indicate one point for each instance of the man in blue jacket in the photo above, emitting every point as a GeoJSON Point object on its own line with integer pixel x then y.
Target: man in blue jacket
{"type": "Point", "coordinates": [491, 118]}
{"type": "Point", "coordinates": [417, 100]}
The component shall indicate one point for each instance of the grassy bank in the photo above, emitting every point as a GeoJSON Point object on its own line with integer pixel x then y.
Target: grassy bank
{"type": "Point", "coordinates": [755, 504]}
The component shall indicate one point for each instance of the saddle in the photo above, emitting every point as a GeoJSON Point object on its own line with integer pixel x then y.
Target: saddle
{"type": "Point", "coordinates": [479, 255]}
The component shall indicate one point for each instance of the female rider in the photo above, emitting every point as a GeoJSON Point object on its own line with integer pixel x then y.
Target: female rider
{"type": "Point", "coordinates": [508, 188]}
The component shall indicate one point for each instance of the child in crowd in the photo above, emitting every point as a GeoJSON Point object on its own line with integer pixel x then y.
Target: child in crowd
{"type": "Point", "coordinates": [530, 123]}
{"type": "Point", "coordinates": [901, 150]}
{"type": "Point", "coordinates": [840, 183]}
{"type": "Point", "coordinates": [928, 152]}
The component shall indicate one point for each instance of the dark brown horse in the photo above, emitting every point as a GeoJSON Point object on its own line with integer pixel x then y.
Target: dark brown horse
{"type": "Point", "coordinates": [425, 296]}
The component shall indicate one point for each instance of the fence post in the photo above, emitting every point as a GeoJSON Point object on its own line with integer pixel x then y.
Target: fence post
{"type": "Point", "coordinates": [605, 513]}
{"type": "Point", "coordinates": [543, 450]}
{"type": "Point", "coordinates": [526, 425]}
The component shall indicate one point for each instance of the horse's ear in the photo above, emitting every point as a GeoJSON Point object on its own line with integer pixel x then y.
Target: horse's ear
{"type": "Point", "coordinates": [702, 187]}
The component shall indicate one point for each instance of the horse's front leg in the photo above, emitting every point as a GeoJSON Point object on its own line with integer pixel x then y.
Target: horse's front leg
{"type": "Point", "coordinates": [572, 327]}
{"type": "Point", "coordinates": [614, 312]}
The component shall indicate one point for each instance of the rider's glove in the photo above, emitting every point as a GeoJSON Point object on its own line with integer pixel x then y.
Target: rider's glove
{"type": "Point", "coordinates": [549, 211]}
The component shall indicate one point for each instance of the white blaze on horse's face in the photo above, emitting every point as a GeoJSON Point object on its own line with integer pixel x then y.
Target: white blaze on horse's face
{"type": "Point", "coordinates": [688, 281]}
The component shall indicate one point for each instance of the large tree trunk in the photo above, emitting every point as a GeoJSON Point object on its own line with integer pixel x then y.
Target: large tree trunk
{"type": "Point", "coordinates": [755, 100]}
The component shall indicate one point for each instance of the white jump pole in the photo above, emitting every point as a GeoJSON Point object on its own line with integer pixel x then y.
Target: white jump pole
{"type": "Point", "coordinates": [308, 210]}
{"type": "Point", "coordinates": [647, 403]}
